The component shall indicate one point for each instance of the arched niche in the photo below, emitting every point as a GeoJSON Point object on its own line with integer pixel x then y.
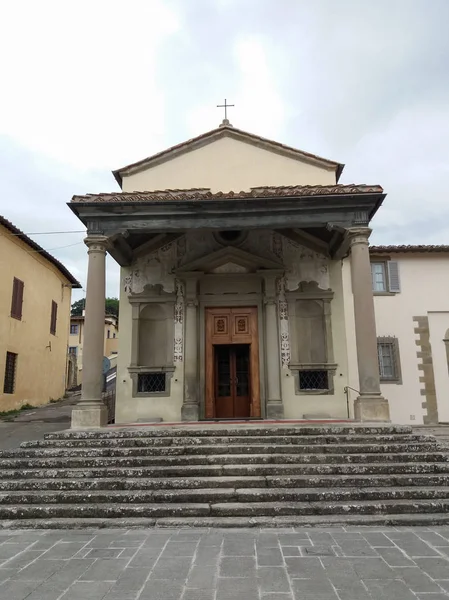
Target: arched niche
{"type": "Point", "coordinates": [156, 331]}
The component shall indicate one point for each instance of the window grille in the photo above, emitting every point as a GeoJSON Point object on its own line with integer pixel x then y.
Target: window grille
{"type": "Point", "coordinates": [313, 380]}
{"type": "Point", "coordinates": [10, 373]}
{"type": "Point", "coordinates": [388, 355]}
{"type": "Point", "coordinates": [150, 383]}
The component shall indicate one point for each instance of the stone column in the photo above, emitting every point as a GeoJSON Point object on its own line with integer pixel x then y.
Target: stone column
{"type": "Point", "coordinates": [90, 411]}
{"type": "Point", "coordinates": [190, 407]}
{"type": "Point", "coordinates": [370, 405]}
{"type": "Point", "coordinates": [275, 407]}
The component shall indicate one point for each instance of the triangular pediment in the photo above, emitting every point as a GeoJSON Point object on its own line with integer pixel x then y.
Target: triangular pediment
{"type": "Point", "coordinates": [234, 259]}
{"type": "Point", "coordinates": [230, 133]}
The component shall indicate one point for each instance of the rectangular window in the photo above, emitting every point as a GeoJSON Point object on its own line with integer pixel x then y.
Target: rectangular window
{"type": "Point", "coordinates": [54, 317]}
{"type": "Point", "coordinates": [313, 380]}
{"type": "Point", "coordinates": [389, 363]}
{"type": "Point", "coordinates": [73, 350]}
{"type": "Point", "coordinates": [17, 299]}
{"type": "Point", "coordinates": [150, 383]}
{"type": "Point", "coordinates": [9, 383]}
{"type": "Point", "coordinates": [109, 333]}
{"type": "Point", "coordinates": [385, 276]}
{"type": "Point", "coordinates": [378, 275]}
{"type": "Point", "coordinates": [73, 329]}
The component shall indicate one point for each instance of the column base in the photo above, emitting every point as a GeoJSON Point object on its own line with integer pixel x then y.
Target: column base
{"type": "Point", "coordinates": [275, 410]}
{"type": "Point", "coordinates": [190, 412]}
{"type": "Point", "coordinates": [372, 408]}
{"type": "Point", "coordinates": [90, 416]}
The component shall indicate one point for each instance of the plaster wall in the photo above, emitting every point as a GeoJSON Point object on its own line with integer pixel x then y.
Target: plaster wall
{"type": "Point", "coordinates": [424, 293]}
{"type": "Point", "coordinates": [42, 356]}
{"type": "Point", "coordinates": [228, 164]}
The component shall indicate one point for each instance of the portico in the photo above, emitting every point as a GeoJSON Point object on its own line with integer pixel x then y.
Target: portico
{"type": "Point", "coordinates": [231, 304]}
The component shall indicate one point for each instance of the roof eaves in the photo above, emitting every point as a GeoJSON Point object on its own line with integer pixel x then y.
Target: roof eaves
{"type": "Point", "coordinates": [32, 244]}
{"type": "Point", "coordinates": [408, 249]}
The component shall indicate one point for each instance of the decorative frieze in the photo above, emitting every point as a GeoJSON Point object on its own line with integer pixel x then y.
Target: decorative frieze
{"type": "Point", "coordinates": [178, 350]}
{"type": "Point", "coordinates": [284, 325]}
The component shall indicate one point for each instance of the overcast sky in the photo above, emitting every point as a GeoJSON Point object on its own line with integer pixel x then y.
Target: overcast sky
{"type": "Point", "coordinates": [90, 86]}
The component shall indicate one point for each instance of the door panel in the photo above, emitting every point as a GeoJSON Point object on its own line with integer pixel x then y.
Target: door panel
{"type": "Point", "coordinates": [232, 382]}
{"type": "Point", "coordinates": [224, 403]}
{"type": "Point", "coordinates": [233, 327]}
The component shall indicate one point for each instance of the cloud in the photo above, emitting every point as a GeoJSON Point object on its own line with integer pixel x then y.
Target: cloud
{"type": "Point", "coordinates": [77, 73]}
{"type": "Point", "coordinates": [91, 86]}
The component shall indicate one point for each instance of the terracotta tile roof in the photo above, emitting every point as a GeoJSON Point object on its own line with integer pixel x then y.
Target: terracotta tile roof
{"type": "Point", "coordinates": [22, 236]}
{"type": "Point", "coordinates": [408, 249]}
{"type": "Point", "coordinates": [206, 194]}
{"type": "Point", "coordinates": [217, 133]}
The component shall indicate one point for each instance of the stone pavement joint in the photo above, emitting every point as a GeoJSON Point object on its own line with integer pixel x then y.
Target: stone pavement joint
{"type": "Point", "coordinates": [340, 563]}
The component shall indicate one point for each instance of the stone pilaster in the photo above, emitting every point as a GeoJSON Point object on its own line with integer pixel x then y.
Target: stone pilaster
{"type": "Point", "coordinates": [275, 407]}
{"type": "Point", "coordinates": [190, 407]}
{"type": "Point", "coordinates": [370, 405]}
{"type": "Point", "coordinates": [90, 411]}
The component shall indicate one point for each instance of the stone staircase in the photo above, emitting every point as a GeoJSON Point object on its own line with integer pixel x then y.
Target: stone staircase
{"type": "Point", "coordinates": [220, 475]}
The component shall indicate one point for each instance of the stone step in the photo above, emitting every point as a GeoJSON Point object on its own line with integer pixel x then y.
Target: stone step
{"type": "Point", "coordinates": [143, 483]}
{"type": "Point", "coordinates": [171, 483]}
{"type": "Point", "coordinates": [400, 520]}
{"type": "Point", "coordinates": [220, 449]}
{"type": "Point", "coordinates": [318, 440]}
{"type": "Point", "coordinates": [218, 459]}
{"type": "Point", "coordinates": [227, 509]}
{"type": "Point", "coordinates": [232, 430]}
{"type": "Point", "coordinates": [223, 495]}
{"type": "Point", "coordinates": [233, 470]}
{"type": "Point", "coordinates": [248, 509]}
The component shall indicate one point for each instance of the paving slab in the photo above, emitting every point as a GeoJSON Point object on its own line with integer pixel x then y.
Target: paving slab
{"type": "Point", "coordinates": [223, 564]}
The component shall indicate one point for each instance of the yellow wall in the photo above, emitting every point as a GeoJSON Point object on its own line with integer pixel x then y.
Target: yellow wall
{"type": "Point", "coordinates": [228, 164]}
{"type": "Point", "coordinates": [41, 370]}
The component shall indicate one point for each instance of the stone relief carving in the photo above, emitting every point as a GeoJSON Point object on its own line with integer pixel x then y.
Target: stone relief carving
{"type": "Point", "coordinates": [178, 349]}
{"type": "Point", "coordinates": [154, 269]}
{"type": "Point", "coordinates": [302, 264]}
{"type": "Point", "coordinates": [157, 268]}
{"type": "Point", "coordinates": [284, 325]}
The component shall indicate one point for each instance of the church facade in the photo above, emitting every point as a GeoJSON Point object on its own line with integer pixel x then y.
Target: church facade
{"type": "Point", "coordinates": [246, 286]}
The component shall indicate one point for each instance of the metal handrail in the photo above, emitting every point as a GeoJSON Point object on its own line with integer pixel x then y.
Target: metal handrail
{"type": "Point", "coordinates": [346, 391]}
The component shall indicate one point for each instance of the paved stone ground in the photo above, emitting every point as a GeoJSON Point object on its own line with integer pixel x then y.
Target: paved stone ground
{"type": "Point", "coordinates": [351, 563]}
{"type": "Point", "coordinates": [34, 424]}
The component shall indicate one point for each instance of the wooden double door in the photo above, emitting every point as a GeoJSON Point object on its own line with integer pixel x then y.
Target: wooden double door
{"type": "Point", "coordinates": [232, 363]}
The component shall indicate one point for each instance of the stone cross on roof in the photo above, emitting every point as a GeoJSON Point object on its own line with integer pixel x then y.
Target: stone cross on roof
{"type": "Point", "coordinates": [225, 122]}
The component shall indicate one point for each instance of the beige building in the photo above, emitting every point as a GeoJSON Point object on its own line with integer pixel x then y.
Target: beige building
{"type": "Point", "coordinates": [411, 299]}
{"type": "Point", "coordinates": [35, 299]}
{"type": "Point", "coordinates": [76, 342]}
{"type": "Point", "coordinates": [235, 300]}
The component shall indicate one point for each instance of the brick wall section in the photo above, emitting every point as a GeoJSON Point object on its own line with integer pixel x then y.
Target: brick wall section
{"type": "Point", "coordinates": [425, 366]}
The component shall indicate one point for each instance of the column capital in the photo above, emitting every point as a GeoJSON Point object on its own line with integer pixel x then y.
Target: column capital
{"type": "Point", "coordinates": [358, 235]}
{"type": "Point", "coordinates": [96, 243]}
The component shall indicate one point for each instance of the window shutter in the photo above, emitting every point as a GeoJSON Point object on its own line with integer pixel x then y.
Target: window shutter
{"type": "Point", "coordinates": [393, 276]}
{"type": "Point", "coordinates": [17, 298]}
{"type": "Point", "coordinates": [54, 313]}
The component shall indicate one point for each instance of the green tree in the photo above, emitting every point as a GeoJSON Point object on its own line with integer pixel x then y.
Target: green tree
{"type": "Point", "coordinates": [111, 307]}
